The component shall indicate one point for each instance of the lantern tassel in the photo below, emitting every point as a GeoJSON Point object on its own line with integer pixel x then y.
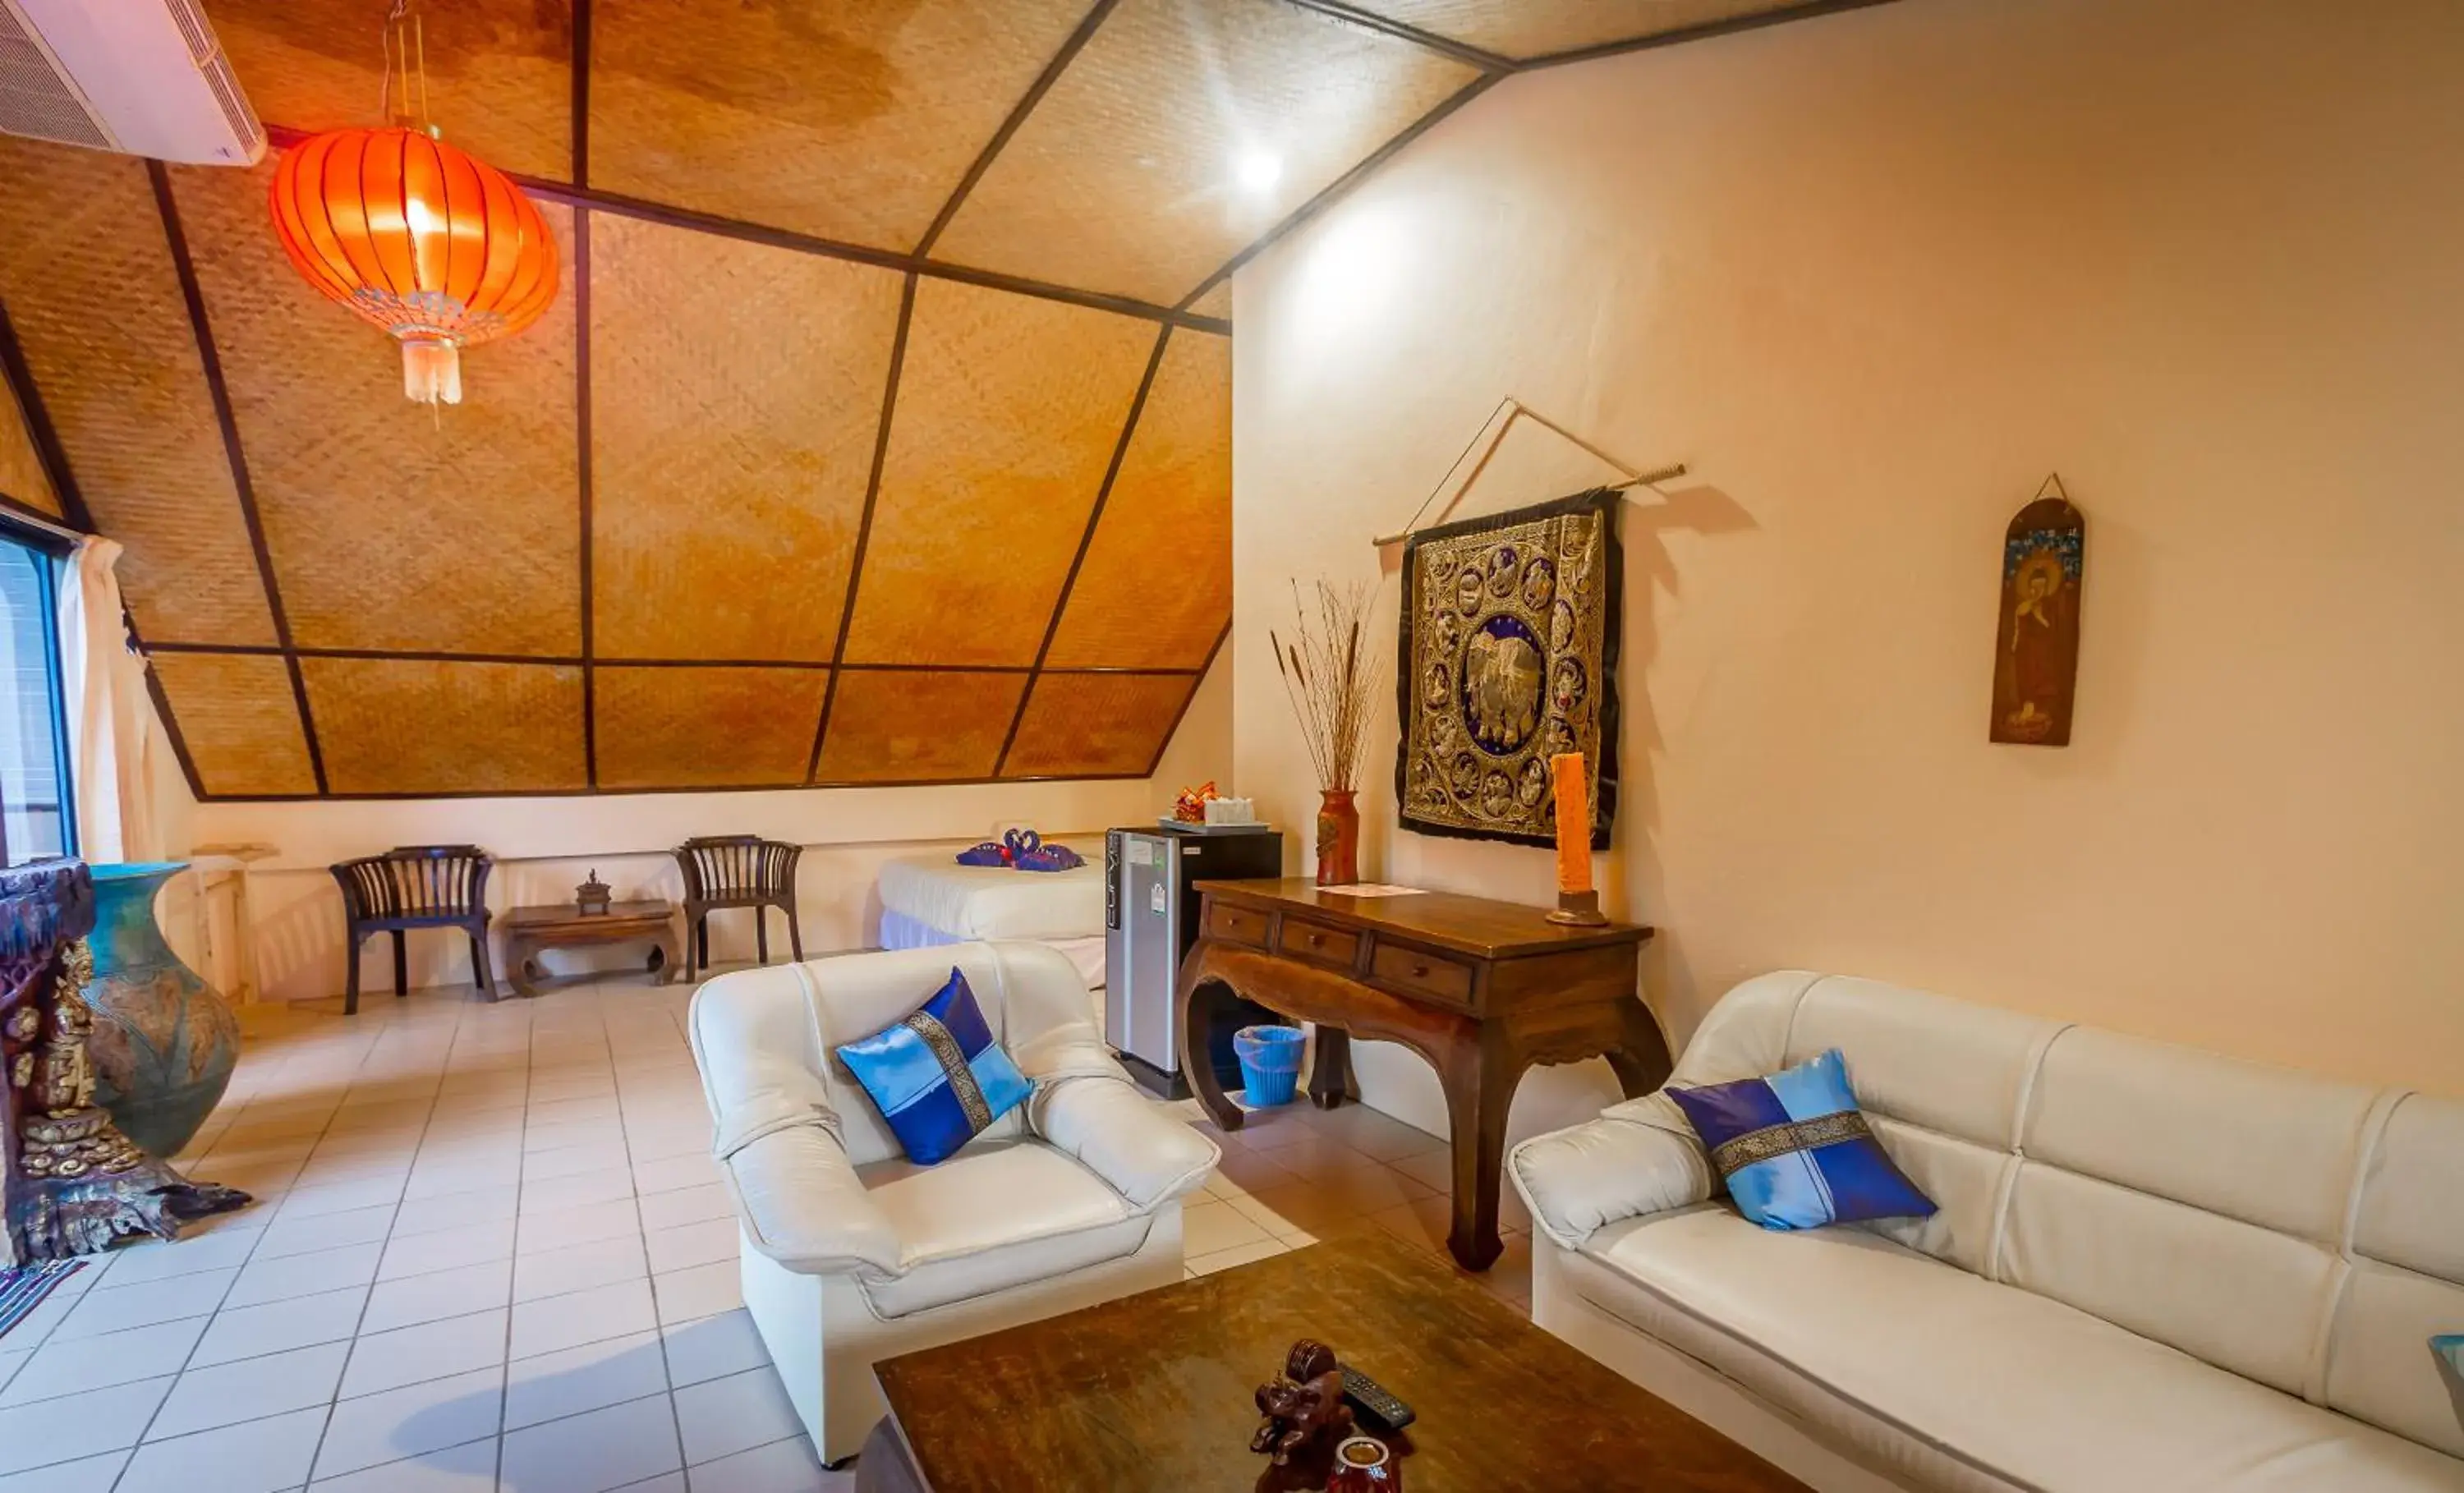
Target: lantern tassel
{"type": "Point", "coordinates": [432, 371]}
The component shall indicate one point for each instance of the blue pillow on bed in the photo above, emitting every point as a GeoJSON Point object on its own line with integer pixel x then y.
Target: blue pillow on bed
{"type": "Point", "coordinates": [1796, 1150]}
{"type": "Point", "coordinates": [936, 1075]}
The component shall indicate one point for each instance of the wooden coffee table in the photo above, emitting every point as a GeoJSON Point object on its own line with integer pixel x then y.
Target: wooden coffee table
{"type": "Point", "coordinates": [528, 930]}
{"type": "Point", "coordinates": [1154, 1391]}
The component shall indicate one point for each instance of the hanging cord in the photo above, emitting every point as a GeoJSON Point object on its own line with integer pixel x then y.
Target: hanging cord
{"type": "Point", "coordinates": [1519, 411]}
{"type": "Point", "coordinates": [405, 50]}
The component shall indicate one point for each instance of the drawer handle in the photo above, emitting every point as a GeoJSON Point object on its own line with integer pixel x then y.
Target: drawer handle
{"type": "Point", "coordinates": [1317, 940]}
{"type": "Point", "coordinates": [1419, 971]}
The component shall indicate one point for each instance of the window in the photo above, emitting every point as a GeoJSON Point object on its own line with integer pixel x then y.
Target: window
{"type": "Point", "coordinates": [38, 814]}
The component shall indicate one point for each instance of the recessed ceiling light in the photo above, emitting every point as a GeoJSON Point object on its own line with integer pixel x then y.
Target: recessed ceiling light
{"type": "Point", "coordinates": [1257, 170]}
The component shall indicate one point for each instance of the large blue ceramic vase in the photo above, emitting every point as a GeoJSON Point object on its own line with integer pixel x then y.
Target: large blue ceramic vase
{"type": "Point", "coordinates": [164, 1042]}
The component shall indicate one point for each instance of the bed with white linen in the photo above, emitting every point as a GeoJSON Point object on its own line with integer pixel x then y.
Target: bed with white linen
{"type": "Point", "coordinates": [932, 899]}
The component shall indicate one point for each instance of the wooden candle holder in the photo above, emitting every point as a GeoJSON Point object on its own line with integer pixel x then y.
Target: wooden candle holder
{"type": "Point", "coordinates": [1579, 910]}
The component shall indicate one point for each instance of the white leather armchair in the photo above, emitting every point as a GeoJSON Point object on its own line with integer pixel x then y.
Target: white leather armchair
{"type": "Point", "coordinates": [852, 1254]}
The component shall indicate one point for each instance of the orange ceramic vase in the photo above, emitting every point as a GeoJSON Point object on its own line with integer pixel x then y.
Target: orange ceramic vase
{"type": "Point", "coordinates": [1338, 837]}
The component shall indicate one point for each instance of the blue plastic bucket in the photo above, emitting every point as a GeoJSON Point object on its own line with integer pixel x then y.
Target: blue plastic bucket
{"type": "Point", "coordinates": [1270, 1063]}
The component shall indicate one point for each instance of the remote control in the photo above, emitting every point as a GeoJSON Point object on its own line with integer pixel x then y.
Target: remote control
{"type": "Point", "coordinates": [1372, 1399]}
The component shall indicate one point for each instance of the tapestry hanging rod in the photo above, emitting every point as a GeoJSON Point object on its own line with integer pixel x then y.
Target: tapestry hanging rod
{"type": "Point", "coordinates": [1519, 411]}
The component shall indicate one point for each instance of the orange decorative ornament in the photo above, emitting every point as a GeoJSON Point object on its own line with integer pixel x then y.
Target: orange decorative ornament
{"type": "Point", "coordinates": [442, 251]}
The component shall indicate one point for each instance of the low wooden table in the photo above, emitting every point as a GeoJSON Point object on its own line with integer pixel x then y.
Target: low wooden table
{"type": "Point", "coordinates": [1154, 1392]}
{"type": "Point", "coordinates": [530, 930]}
{"type": "Point", "coordinates": [1480, 989]}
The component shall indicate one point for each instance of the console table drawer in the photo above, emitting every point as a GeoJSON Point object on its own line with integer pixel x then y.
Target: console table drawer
{"type": "Point", "coordinates": [1319, 943]}
{"type": "Point", "coordinates": [1236, 925]}
{"type": "Point", "coordinates": [1430, 975]}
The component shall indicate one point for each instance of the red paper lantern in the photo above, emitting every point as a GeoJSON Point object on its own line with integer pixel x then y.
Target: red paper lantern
{"type": "Point", "coordinates": [442, 251]}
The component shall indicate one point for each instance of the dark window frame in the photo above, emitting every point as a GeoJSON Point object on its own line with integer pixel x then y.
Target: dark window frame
{"type": "Point", "coordinates": [54, 550]}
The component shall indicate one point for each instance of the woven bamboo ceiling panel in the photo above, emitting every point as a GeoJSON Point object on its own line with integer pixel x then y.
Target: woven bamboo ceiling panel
{"type": "Point", "coordinates": [904, 725]}
{"type": "Point", "coordinates": [1008, 411]}
{"type": "Point", "coordinates": [846, 121]}
{"type": "Point", "coordinates": [736, 399]}
{"type": "Point", "coordinates": [879, 433]}
{"type": "Point", "coordinates": [355, 482]}
{"type": "Point", "coordinates": [240, 722]}
{"type": "Point", "coordinates": [1127, 177]}
{"type": "Point", "coordinates": [705, 727]}
{"type": "Point", "coordinates": [1086, 725]}
{"type": "Point", "coordinates": [499, 72]}
{"type": "Point", "coordinates": [1156, 581]}
{"type": "Point", "coordinates": [90, 291]}
{"type": "Point", "coordinates": [22, 478]}
{"type": "Point", "coordinates": [431, 726]}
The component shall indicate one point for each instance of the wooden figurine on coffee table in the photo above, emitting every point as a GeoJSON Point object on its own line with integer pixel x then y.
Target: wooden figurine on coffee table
{"type": "Point", "coordinates": [1305, 1410]}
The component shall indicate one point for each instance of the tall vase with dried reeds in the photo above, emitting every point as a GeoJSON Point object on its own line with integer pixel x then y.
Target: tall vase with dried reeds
{"type": "Point", "coordinates": [1328, 675]}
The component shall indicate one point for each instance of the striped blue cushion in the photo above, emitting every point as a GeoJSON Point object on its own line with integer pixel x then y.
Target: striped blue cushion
{"type": "Point", "coordinates": [936, 1075]}
{"type": "Point", "coordinates": [1795, 1150]}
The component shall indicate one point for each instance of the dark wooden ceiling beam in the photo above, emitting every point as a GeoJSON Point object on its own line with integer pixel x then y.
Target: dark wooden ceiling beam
{"type": "Point", "coordinates": [211, 358]}
{"type": "Point", "coordinates": [1702, 32]}
{"type": "Point", "coordinates": [1069, 49]}
{"type": "Point", "coordinates": [699, 787]}
{"type": "Point", "coordinates": [574, 660]}
{"type": "Point", "coordinates": [582, 491]}
{"type": "Point", "coordinates": [579, 68]}
{"type": "Point", "coordinates": [170, 722]}
{"type": "Point", "coordinates": [1198, 682]}
{"type": "Point", "coordinates": [864, 525]}
{"type": "Point", "coordinates": [1086, 542]}
{"type": "Point", "coordinates": [833, 249]}
{"type": "Point", "coordinates": [1444, 46]}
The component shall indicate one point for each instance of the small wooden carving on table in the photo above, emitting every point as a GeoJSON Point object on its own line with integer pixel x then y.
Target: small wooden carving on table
{"type": "Point", "coordinates": [70, 1182]}
{"type": "Point", "coordinates": [1305, 1410]}
{"type": "Point", "coordinates": [2036, 657]}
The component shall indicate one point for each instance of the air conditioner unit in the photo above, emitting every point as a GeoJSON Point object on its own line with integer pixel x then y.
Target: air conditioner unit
{"type": "Point", "coordinates": [144, 77]}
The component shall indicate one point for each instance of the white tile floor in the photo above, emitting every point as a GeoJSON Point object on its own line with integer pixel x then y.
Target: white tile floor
{"type": "Point", "coordinates": [491, 1252]}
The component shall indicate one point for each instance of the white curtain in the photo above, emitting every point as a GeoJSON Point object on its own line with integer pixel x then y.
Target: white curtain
{"type": "Point", "coordinates": [115, 747]}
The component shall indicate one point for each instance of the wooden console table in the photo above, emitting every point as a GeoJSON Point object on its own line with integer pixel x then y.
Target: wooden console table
{"type": "Point", "coordinates": [1480, 989]}
{"type": "Point", "coordinates": [528, 930]}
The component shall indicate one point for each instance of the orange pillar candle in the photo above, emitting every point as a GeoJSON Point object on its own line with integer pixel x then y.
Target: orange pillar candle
{"type": "Point", "coordinates": [1574, 822]}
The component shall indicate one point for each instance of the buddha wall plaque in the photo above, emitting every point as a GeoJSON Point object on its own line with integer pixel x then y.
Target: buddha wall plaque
{"type": "Point", "coordinates": [1508, 657]}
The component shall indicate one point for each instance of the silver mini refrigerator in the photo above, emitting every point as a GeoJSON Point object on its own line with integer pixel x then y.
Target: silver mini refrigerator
{"type": "Point", "coordinates": [1150, 921]}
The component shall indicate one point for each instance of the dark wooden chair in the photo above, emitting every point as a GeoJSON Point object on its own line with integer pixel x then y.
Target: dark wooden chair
{"type": "Point", "coordinates": [737, 872]}
{"type": "Point", "coordinates": [418, 886]}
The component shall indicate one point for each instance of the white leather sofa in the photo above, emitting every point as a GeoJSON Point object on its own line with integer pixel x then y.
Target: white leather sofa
{"type": "Point", "coordinates": [2152, 1268]}
{"type": "Point", "coordinates": [851, 1254]}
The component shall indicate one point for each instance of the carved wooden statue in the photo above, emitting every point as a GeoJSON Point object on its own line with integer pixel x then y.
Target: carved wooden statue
{"type": "Point", "coordinates": [71, 1183]}
{"type": "Point", "coordinates": [1305, 1410]}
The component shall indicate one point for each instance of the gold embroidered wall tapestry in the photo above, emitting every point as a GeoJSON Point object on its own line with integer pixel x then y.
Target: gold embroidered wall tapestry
{"type": "Point", "coordinates": [1508, 656]}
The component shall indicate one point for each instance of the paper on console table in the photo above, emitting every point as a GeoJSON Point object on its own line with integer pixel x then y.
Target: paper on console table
{"type": "Point", "coordinates": [1374, 889]}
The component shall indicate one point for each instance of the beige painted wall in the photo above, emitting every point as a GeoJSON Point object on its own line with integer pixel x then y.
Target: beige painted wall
{"type": "Point", "coordinates": [1873, 277]}
{"type": "Point", "coordinates": [545, 846]}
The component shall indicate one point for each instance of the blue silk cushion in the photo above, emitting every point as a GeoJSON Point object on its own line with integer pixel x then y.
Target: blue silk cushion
{"type": "Point", "coordinates": [2449, 1349]}
{"type": "Point", "coordinates": [1796, 1150]}
{"type": "Point", "coordinates": [936, 1075]}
